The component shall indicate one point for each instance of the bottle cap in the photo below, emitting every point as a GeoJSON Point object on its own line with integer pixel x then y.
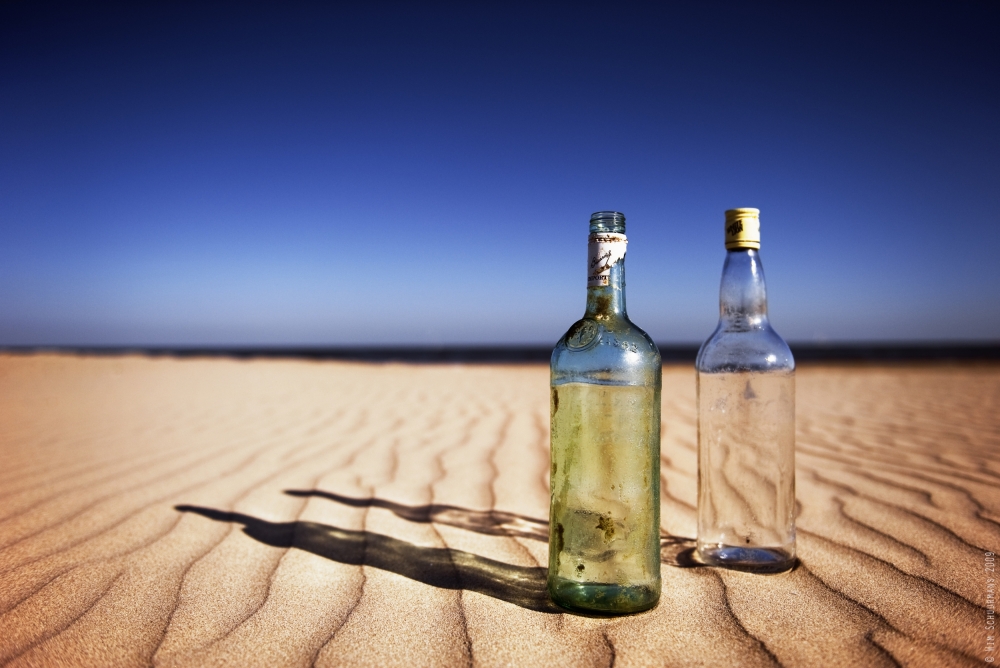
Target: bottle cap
{"type": "Point", "coordinates": [742, 228]}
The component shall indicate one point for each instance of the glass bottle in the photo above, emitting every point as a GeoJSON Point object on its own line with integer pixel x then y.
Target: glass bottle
{"type": "Point", "coordinates": [604, 521]}
{"type": "Point", "coordinates": [746, 420]}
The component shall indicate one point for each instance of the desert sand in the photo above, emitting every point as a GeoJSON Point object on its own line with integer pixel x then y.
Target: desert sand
{"type": "Point", "coordinates": [205, 512]}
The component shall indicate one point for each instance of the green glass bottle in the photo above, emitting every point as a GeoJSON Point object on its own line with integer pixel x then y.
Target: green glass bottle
{"type": "Point", "coordinates": [746, 419]}
{"type": "Point", "coordinates": [604, 520]}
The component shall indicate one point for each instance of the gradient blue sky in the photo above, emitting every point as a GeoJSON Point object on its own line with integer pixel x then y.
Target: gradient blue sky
{"type": "Point", "coordinates": [225, 173]}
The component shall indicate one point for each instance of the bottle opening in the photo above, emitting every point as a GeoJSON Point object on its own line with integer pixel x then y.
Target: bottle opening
{"type": "Point", "coordinates": [607, 221]}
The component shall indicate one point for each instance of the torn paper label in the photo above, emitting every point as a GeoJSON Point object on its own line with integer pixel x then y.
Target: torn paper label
{"type": "Point", "coordinates": [605, 250]}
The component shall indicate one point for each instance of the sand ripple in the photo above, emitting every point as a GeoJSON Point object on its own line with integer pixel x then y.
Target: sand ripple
{"type": "Point", "coordinates": [216, 512]}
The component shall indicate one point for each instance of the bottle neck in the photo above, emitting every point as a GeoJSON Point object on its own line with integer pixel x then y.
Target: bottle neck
{"type": "Point", "coordinates": [608, 301]}
{"type": "Point", "coordinates": [743, 295]}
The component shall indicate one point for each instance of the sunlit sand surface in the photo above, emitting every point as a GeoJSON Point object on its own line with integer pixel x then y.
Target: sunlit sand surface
{"type": "Point", "coordinates": [282, 513]}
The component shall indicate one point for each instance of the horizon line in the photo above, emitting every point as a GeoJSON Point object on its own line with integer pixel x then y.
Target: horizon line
{"type": "Point", "coordinates": [812, 351]}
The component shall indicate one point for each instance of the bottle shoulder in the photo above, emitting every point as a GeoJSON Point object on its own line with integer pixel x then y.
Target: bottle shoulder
{"type": "Point", "coordinates": [759, 349]}
{"type": "Point", "coordinates": [608, 351]}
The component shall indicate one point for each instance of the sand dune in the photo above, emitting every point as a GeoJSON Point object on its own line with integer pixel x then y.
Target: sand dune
{"type": "Point", "coordinates": [217, 512]}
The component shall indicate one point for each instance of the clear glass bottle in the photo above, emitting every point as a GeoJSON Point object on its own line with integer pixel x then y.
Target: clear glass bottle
{"type": "Point", "coordinates": [604, 521]}
{"type": "Point", "coordinates": [746, 420]}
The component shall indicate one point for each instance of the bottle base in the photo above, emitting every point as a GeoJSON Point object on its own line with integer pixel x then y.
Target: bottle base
{"type": "Point", "coordinates": [603, 598]}
{"type": "Point", "coordinates": [751, 559]}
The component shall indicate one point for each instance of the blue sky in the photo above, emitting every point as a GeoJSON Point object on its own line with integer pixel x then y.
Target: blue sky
{"type": "Point", "coordinates": [416, 173]}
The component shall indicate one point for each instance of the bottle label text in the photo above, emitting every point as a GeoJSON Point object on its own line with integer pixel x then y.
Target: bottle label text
{"type": "Point", "coordinates": [605, 250]}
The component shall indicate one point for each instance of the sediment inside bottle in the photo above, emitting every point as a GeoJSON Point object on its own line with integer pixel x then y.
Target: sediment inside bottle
{"type": "Point", "coordinates": [746, 469]}
{"type": "Point", "coordinates": [604, 550]}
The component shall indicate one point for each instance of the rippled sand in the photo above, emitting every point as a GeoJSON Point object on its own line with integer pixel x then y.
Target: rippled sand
{"type": "Point", "coordinates": [218, 512]}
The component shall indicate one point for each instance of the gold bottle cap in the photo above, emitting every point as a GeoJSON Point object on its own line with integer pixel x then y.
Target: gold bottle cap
{"type": "Point", "coordinates": [742, 229]}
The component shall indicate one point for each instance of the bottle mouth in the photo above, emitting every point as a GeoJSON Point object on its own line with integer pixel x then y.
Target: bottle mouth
{"type": "Point", "coordinates": [607, 221]}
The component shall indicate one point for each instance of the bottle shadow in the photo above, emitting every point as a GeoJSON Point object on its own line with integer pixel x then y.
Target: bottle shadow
{"type": "Point", "coordinates": [676, 551]}
{"type": "Point", "coordinates": [489, 522]}
{"type": "Point", "coordinates": [445, 568]}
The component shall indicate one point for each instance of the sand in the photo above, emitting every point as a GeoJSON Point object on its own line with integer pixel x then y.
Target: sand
{"type": "Point", "coordinates": [208, 512]}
